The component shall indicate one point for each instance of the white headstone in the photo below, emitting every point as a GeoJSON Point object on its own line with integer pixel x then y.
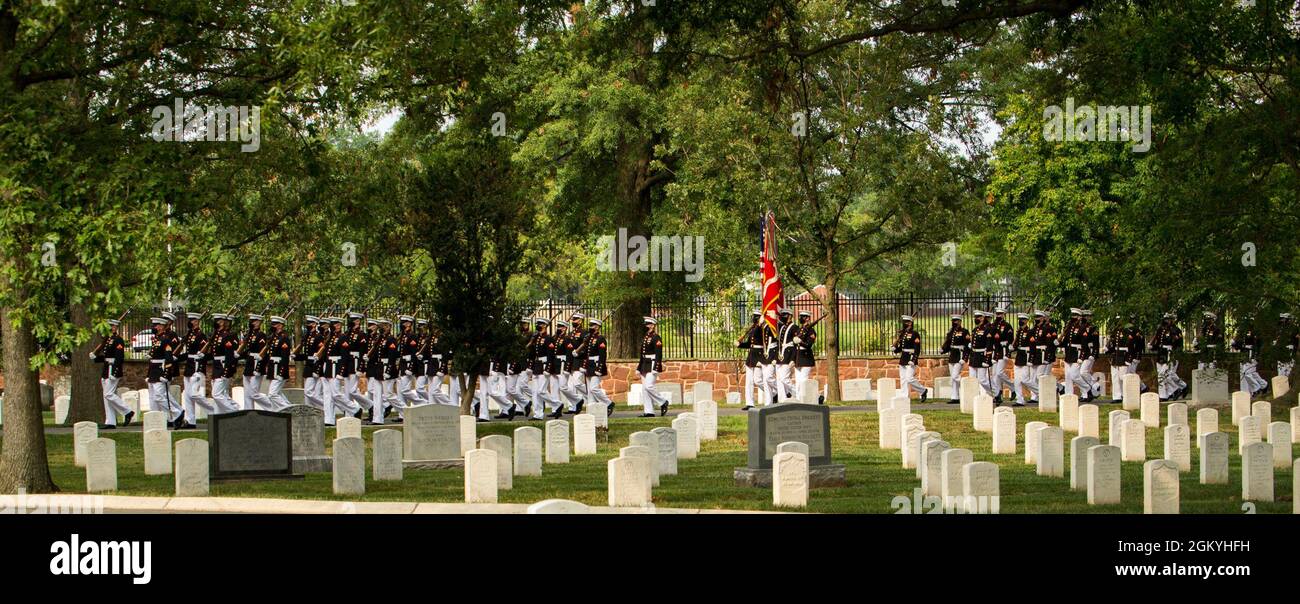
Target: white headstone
{"type": "Point", "coordinates": [1279, 435]}
{"type": "Point", "coordinates": [348, 427]}
{"type": "Point", "coordinates": [981, 488]}
{"type": "Point", "coordinates": [1210, 386]}
{"type": "Point", "coordinates": [1262, 411]}
{"type": "Point", "coordinates": [1047, 393]}
{"type": "Point", "coordinates": [1248, 432]}
{"type": "Point", "coordinates": [1295, 486]}
{"type": "Point", "coordinates": [558, 506]}
{"type": "Point", "coordinates": [1069, 415]}
{"type": "Point", "coordinates": [192, 468]}
{"type": "Point", "coordinates": [702, 390]}
{"type": "Point", "coordinates": [1295, 425]}
{"type": "Point", "coordinates": [468, 433]}
{"type": "Point", "coordinates": [1079, 446]}
{"type": "Point", "coordinates": [1176, 413]}
{"type": "Point", "coordinates": [931, 466]}
{"type": "Point", "coordinates": [688, 436]}
{"type": "Point", "coordinates": [968, 389]}
{"type": "Point", "coordinates": [1178, 446]}
{"type": "Point", "coordinates": [790, 480]}
{"type": "Point", "coordinates": [915, 446]}
{"type": "Point", "coordinates": [706, 412]}
{"type": "Point", "coordinates": [951, 478]}
{"type": "Point", "coordinates": [504, 448]}
{"type": "Point", "coordinates": [155, 420]}
{"type": "Point", "coordinates": [82, 434]}
{"type": "Point", "coordinates": [1089, 421]}
{"type": "Point", "coordinates": [349, 466]}
{"type": "Point", "coordinates": [1159, 486]}
{"type": "Point", "coordinates": [1103, 475]}
{"type": "Point", "coordinates": [793, 446]}
{"type": "Point", "coordinates": [1257, 472]}
{"type": "Point", "coordinates": [101, 465]}
{"type": "Point", "coordinates": [1031, 441]}
{"type": "Point", "coordinates": [983, 413]}
{"type": "Point", "coordinates": [1115, 432]}
{"type": "Point", "coordinates": [1051, 452]}
{"type": "Point", "coordinates": [943, 388]}
{"type": "Point", "coordinates": [1004, 431]}
{"type": "Point", "coordinates": [1240, 406]}
{"type": "Point", "coordinates": [733, 398]}
{"type": "Point", "coordinates": [671, 390]}
{"type": "Point", "coordinates": [1214, 458]}
{"type": "Point", "coordinates": [1207, 421]}
{"type": "Point", "coordinates": [1281, 385]}
{"type": "Point", "coordinates": [584, 434]}
{"type": "Point", "coordinates": [157, 452]}
{"type": "Point", "coordinates": [650, 441]}
{"type": "Point", "coordinates": [527, 453]}
{"type": "Point", "coordinates": [1100, 379]}
{"type": "Point", "coordinates": [811, 389]}
{"type": "Point", "coordinates": [431, 432]}
{"type": "Point", "coordinates": [600, 413]}
{"type": "Point", "coordinates": [1151, 409]}
{"type": "Point", "coordinates": [237, 394]}
{"type": "Point", "coordinates": [901, 404]}
{"type": "Point", "coordinates": [61, 406]}
{"type": "Point", "coordinates": [386, 454]}
{"type": "Point", "coordinates": [557, 441]}
{"type": "Point", "coordinates": [890, 436]}
{"type": "Point", "coordinates": [885, 388]}
{"type": "Point", "coordinates": [629, 480]}
{"type": "Point", "coordinates": [855, 390]}
{"type": "Point", "coordinates": [1133, 440]}
{"type": "Point", "coordinates": [634, 395]}
{"type": "Point", "coordinates": [1132, 399]}
{"type": "Point", "coordinates": [481, 468]}
{"type": "Point", "coordinates": [667, 462]}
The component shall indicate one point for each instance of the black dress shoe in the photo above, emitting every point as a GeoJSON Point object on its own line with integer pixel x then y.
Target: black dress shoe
{"type": "Point", "coordinates": [578, 408]}
{"type": "Point", "coordinates": [374, 423]}
{"type": "Point", "coordinates": [370, 417]}
{"type": "Point", "coordinates": [511, 415]}
{"type": "Point", "coordinates": [821, 400]}
{"type": "Point", "coordinates": [1017, 404]}
{"type": "Point", "coordinates": [774, 400]}
{"type": "Point", "coordinates": [559, 412]}
{"type": "Point", "coordinates": [481, 420]}
{"type": "Point", "coordinates": [504, 416]}
{"type": "Point", "coordinates": [1033, 401]}
{"type": "Point", "coordinates": [663, 409]}
{"type": "Point", "coordinates": [609, 410]}
{"type": "Point", "coordinates": [646, 415]}
{"type": "Point", "coordinates": [360, 411]}
{"type": "Point", "coordinates": [924, 394]}
{"type": "Point", "coordinates": [474, 409]}
{"type": "Point", "coordinates": [528, 409]}
{"type": "Point", "coordinates": [126, 419]}
{"type": "Point", "coordinates": [955, 401]}
{"type": "Point", "coordinates": [746, 407]}
{"type": "Point", "coordinates": [387, 412]}
{"type": "Point", "coordinates": [107, 427]}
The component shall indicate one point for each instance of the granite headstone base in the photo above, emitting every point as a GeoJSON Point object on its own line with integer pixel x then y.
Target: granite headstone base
{"type": "Point", "coordinates": [832, 475]}
{"type": "Point", "coordinates": [433, 464]}
{"type": "Point", "coordinates": [314, 463]}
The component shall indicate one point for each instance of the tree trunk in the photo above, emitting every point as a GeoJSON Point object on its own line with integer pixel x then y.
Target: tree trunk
{"type": "Point", "coordinates": [467, 388]}
{"type": "Point", "coordinates": [87, 402]}
{"type": "Point", "coordinates": [832, 339]}
{"type": "Point", "coordinates": [23, 461]}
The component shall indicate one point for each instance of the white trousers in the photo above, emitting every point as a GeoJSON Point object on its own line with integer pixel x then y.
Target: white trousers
{"type": "Point", "coordinates": [381, 394]}
{"type": "Point", "coordinates": [311, 392]}
{"type": "Point", "coordinates": [1250, 378]}
{"type": "Point", "coordinates": [192, 394]}
{"type": "Point", "coordinates": [1074, 376]}
{"type": "Point", "coordinates": [651, 399]}
{"type": "Point", "coordinates": [907, 378]}
{"type": "Point", "coordinates": [160, 400]}
{"type": "Point", "coordinates": [801, 375]}
{"type": "Point", "coordinates": [981, 375]}
{"type": "Point", "coordinates": [433, 391]}
{"type": "Point", "coordinates": [406, 387]}
{"type": "Point", "coordinates": [598, 395]}
{"type": "Point", "coordinates": [252, 386]}
{"type": "Point", "coordinates": [456, 389]}
{"type": "Point", "coordinates": [544, 386]}
{"type": "Point", "coordinates": [783, 384]}
{"type": "Point", "coordinates": [767, 385]}
{"type": "Point", "coordinates": [1000, 379]}
{"type": "Point", "coordinates": [522, 388]}
{"type": "Point", "coordinates": [337, 400]}
{"type": "Point", "coordinates": [113, 404]}
{"type": "Point", "coordinates": [353, 385]}
{"type": "Point", "coordinates": [495, 388]}
{"type": "Point", "coordinates": [1284, 368]}
{"type": "Point", "coordinates": [1025, 376]}
{"type": "Point", "coordinates": [753, 375]}
{"type": "Point", "coordinates": [221, 396]}
{"type": "Point", "coordinates": [274, 399]}
{"type": "Point", "coordinates": [577, 389]}
{"type": "Point", "coordinates": [1167, 378]}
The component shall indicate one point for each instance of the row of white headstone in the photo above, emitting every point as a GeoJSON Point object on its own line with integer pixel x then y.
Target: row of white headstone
{"type": "Point", "coordinates": [99, 456]}
{"type": "Point", "coordinates": [962, 484]}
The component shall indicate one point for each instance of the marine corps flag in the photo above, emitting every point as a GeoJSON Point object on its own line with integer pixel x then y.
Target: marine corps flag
{"type": "Point", "coordinates": [773, 298]}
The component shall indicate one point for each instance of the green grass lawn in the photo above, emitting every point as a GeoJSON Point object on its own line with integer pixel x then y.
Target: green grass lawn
{"type": "Point", "coordinates": [875, 477]}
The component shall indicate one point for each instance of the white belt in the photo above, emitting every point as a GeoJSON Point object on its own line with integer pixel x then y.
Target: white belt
{"type": "Point", "coordinates": [972, 350]}
{"type": "Point", "coordinates": [593, 358]}
{"type": "Point", "coordinates": [1041, 347]}
{"type": "Point", "coordinates": [334, 358]}
{"type": "Point", "coordinates": [912, 350]}
{"type": "Point", "coordinates": [1076, 345]}
{"type": "Point", "coordinates": [110, 361]}
{"type": "Point", "coordinates": [541, 359]}
{"type": "Point", "coordinates": [435, 356]}
{"type": "Point", "coordinates": [1247, 347]}
{"type": "Point", "coordinates": [355, 354]}
{"type": "Point", "coordinates": [1211, 345]}
{"type": "Point", "coordinates": [158, 361]}
{"type": "Point", "coordinates": [648, 356]}
{"type": "Point", "coordinates": [1167, 346]}
{"type": "Point", "coordinates": [1122, 348]}
{"type": "Point", "coordinates": [406, 357]}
